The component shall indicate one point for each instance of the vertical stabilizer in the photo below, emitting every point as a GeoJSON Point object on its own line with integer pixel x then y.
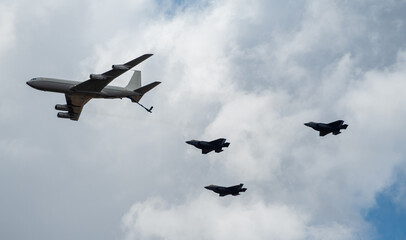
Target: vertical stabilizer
{"type": "Point", "coordinates": [135, 81]}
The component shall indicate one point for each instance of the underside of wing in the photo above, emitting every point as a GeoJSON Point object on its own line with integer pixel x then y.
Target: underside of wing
{"type": "Point", "coordinates": [97, 82]}
{"type": "Point", "coordinates": [75, 104]}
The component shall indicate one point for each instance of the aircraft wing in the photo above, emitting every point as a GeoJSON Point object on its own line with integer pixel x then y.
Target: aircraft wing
{"type": "Point", "coordinates": [97, 84]}
{"type": "Point", "coordinates": [235, 188]}
{"type": "Point", "coordinates": [219, 141]}
{"type": "Point", "coordinates": [76, 103]}
{"type": "Point", "coordinates": [336, 124]}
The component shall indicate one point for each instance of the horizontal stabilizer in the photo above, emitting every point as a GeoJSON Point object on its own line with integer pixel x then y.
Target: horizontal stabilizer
{"type": "Point", "coordinates": [243, 189]}
{"type": "Point", "coordinates": [344, 126]}
{"type": "Point", "coordinates": [226, 144]}
{"type": "Point", "coordinates": [142, 91]}
{"type": "Point", "coordinates": [336, 133]}
{"type": "Point", "coordinates": [146, 88]}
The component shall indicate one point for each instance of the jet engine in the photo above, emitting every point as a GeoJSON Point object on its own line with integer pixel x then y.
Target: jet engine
{"type": "Point", "coordinates": [120, 67]}
{"type": "Point", "coordinates": [64, 115]}
{"type": "Point", "coordinates": [62, 107]}
{"type": "Point", "coordinates": [97, 76]}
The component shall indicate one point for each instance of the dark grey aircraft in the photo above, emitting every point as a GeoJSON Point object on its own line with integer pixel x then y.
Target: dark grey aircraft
{"type": "Point", "coordinates": [224, 191]}
{"type": "Point", "coordinates": [77, 94]}
{"type": "Point", "coordinates": [207, 147]}
{"type": "Point", "coordinates": [326, 128]}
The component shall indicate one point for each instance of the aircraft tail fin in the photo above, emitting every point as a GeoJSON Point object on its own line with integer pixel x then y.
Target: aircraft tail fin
{"type": "Point", "coordinates": [142, 90]}
{"type": "Point", "coordinates": [135, 81]}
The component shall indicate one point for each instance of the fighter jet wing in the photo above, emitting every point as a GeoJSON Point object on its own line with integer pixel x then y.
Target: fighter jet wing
{"type": "Point", "coordinates": [236, 187]}
{"type": "Point", "coordinates": [219, 141]}
{"type": "Point", "coordinates": [76, 103]}
{"type": "Point", "coordinates": [102, 80]}
{"type": "Point", "coordinates": [336, 124]}
{"type": "Point", "coordinates": [206, 151]}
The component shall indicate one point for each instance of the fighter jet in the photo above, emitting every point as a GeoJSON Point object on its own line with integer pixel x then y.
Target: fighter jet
{"type": "Point", "coordinates": [207, 147]}
{"type": "Point", "coordinates": [326, 128]}
{"type": "Point", "coordinates": [224, 191]}
{"type": "Point", "coordinates": [77, 94]}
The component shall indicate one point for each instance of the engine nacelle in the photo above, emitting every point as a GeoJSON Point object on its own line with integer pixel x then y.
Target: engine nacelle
{"type": "Point", "coordinates": [64, 115]}
{"type": "Point", "coordinates": [62, 107]}
{"type": "Point", "coordinates": [120, 67]}
{"type": "Point", "coordinates": [97, 76]}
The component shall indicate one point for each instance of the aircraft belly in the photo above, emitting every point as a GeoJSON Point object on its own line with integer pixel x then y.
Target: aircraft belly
{"type": "Point", "coordinates": [116, 93]}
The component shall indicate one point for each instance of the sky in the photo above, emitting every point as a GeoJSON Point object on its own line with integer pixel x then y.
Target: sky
{"type": "Point", "coordinates": [252, 73]}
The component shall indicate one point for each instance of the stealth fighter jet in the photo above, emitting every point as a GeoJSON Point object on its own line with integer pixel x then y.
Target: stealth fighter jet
{"type": "Point", "coordinates": [207, 147]}
{"type": "Point", "coordinates": [77, 94]}
{"type": "Point", "coordinates": [326, 128]}
{"type": "Point", "coordinates": [224, 191]}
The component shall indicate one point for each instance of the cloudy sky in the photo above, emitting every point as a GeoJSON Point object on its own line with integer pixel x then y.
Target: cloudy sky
{"type": "Point", "coordinates": [252, 72]}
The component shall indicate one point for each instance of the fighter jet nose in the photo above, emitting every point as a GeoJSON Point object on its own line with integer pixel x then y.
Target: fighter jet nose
{"type": "Point", "coordinates": [29, 83]}
{"type": "Point", "coordinates": [207, 187]}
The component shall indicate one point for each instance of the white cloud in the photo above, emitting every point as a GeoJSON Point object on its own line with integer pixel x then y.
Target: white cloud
{"type": "Point", "coordinates": [251, 73]}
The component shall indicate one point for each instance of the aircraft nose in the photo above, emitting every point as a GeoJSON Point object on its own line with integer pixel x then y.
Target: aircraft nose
{"type": "Point", "coordinates": [189, 142]}
{"type": "Point", "coordinates": [29, 83]}
{"type": "Point", "coordinates": [32, 82]}
{"type": "Point", "coordinates": [207, 187]}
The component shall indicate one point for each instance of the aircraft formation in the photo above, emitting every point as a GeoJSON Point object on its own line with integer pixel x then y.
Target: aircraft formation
{"type": "Point", "coordinates": [77, 94]}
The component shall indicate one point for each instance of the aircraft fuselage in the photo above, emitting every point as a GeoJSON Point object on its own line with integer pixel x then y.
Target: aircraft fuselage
{"type": "Point", "coordinates": [64, 86]}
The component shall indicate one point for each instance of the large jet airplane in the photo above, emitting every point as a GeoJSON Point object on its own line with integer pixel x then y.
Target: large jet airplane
{"type": "Point", "coordinates": [326, 128]}
{"type": "Point", "coordinates": [215, 145]}
{"type": "Point", "coordinates": [77, 94]}
{"type": "Point", "coordinates": [224, 191]}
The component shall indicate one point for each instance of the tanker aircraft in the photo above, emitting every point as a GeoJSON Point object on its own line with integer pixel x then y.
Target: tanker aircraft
{"type": "Point", "coordinates": [77, 94]}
